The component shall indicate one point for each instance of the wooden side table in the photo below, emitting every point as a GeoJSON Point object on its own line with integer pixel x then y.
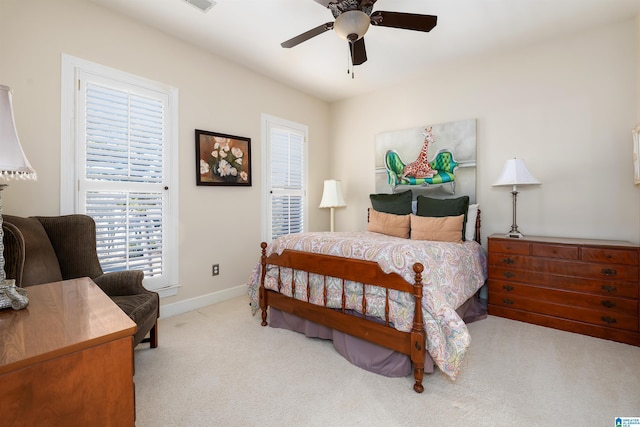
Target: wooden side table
{"type": "Point", "coordinates": [67, 359]}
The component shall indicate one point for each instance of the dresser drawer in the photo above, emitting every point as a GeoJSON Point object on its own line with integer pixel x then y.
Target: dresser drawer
{"type": "Point", "coordinates": [605, 305]}
{"type": "Point", "coordinates": [555, 251]}
{"type": "Point", "coordinates": [610, 288]}
{"type": "Point", "coordinates": [532, 302]}
{"type": "Point", "coordinates": [509, 247]}
{"type": "Point", "coordinates": [610, 256]}
{"type": "Point", "coordinates": [567, 268]}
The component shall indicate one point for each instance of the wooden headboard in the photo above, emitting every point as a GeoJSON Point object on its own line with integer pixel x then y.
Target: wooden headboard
{"type": "Point", "coordinates": [476, 236]}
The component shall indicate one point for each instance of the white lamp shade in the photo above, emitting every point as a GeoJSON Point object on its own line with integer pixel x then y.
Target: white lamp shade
{"type": "Point", "coordinates": [13, 162]}
{"type": "Point", "coordinates": [332, 195]}
{"type": "Point", "coordinates": [515, 173]}
{"type": "Point", "coordinates": [351, 22]}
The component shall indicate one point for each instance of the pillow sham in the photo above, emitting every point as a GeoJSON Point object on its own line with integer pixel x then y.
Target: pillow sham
{"type": "Point", "coordinates": [428, 206]}
{"type": "Point", "coordinates": [440, 229]}
{"type": "Point", "coordinates": [398, 203]}
{"type": "Point", "coordinates": [470, 226]}
{"type": "Point", "coordinates": [389, 224]}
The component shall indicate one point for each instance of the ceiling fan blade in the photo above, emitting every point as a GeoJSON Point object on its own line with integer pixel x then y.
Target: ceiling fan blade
{"type": "Point", "coordinates": [358, 52]}
{"type": "Point", "coordinates": [307, 35]}
{"type": "Point", "coordinates": [407, 21]}
{"type": "Point", "coordinates": [325, 3]}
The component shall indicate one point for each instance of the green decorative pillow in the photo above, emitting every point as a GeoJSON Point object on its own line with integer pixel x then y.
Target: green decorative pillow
{"type": "Point", "coordinates": [428, 206]}
{"type": "Point", "coordinates": [398, 204]}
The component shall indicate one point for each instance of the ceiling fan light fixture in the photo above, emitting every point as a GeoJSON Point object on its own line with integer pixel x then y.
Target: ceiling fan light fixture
{"type": "Point", "coordinates": [203, 5]}
{"type": "Point", "coordinates": [352, 22]}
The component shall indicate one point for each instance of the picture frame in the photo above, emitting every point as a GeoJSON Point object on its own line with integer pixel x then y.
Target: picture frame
{"type": "Point", "coordinates": [636, 154]}
{"type": "Point", "coordinates": [222, 159]}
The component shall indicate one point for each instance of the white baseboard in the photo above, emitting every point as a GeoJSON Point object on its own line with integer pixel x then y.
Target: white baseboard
{"type": "Point", "coordinates": [169, 310]}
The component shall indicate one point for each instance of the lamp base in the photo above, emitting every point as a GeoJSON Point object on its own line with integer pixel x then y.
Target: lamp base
{"type": "Point", "coordinates": [515, 235]}
{"type": "Point", "coordinates": [12, 296]}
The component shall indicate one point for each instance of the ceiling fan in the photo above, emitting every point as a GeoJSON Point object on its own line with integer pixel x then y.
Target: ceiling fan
{"type": "Point", "coordinates": [352, 19]}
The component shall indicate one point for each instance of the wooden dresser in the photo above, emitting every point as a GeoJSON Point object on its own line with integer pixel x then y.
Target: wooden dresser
{"type": "Point", "coordinates": [578, 285]}
{"type": "Point", "coordinates": [66, 359]}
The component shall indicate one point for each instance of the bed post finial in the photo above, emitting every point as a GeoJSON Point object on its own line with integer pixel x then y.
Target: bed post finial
{"type": "Point", "coordinates": [263, 293]}
{"type": "Point", "coordinates": [418, 335]}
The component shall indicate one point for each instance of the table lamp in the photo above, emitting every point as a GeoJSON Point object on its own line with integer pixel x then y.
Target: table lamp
{"type": "Point", "coordinates": [332, 197]}
{"type": "Point", "coordinates": [13, 165]}
{"type": "Point", "coordinates": [515, 173]}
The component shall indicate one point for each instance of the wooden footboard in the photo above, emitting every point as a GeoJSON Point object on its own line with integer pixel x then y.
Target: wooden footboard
{"type": "Point", "coordinates": [365, 272]}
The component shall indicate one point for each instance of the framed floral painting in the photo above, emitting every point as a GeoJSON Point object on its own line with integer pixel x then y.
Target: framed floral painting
{"type": "Point", "coordinates": [222, 159]}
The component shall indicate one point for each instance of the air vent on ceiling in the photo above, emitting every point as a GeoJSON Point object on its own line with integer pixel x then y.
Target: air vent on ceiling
{"type": "Point", "coordinates": [203, 5]}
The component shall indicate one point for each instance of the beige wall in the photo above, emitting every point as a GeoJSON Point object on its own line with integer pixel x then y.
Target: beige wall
{"type": "Point", "coordinates": [217, 225]}
{"type": "Point", "coordinates": [567, 107]}
{"type": "Point", "coordinates": [638, 62]}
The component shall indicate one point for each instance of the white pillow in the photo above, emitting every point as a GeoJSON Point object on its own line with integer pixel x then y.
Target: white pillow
{"type": "Point", "coordinates": [470, 230]}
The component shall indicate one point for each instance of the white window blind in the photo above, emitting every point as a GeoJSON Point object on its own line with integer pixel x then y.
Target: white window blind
{"type": "Point", "coordinates": [122, 186]}
{"type": "Point", "coordinates": [129, 230]}
{"type": "Point", "coordinates": [124, 136]}
{"type": "Point", "coordinates": [118, 165]}
{"type": "Point", "coordinates": [287, 178]}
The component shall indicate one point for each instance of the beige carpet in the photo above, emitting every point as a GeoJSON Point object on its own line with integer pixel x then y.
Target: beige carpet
{"type": "Point", "coordinates": [218, 367]}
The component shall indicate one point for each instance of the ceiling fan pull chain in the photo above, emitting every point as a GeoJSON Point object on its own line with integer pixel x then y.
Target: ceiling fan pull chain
{"type": "Point", "coordinates": [348, 63]}
{"type": "Point", "coordinates": [353, 67]}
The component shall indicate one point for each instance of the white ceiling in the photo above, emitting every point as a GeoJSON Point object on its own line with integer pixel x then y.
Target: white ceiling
{"type": "Point", "coordinates": [249, 32]}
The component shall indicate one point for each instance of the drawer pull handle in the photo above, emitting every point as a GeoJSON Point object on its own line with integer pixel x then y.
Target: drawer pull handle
{"type": "Point", "coordinates": [508, 274]}
{"type": "Point", "coordinates": [607, 303]}
{"type": "Point", "coordinates": [507, 301]}
{"type": "Point", "coordinates": [608, 272]}
{"type": "Point", "coordinates": [609, 288]}
{"type": "Point", "coordinates": [608, 319]}
{"type": "Point", "coordinates": [508, 288]}
{"type": "Point", "coordinates": [508, 261]}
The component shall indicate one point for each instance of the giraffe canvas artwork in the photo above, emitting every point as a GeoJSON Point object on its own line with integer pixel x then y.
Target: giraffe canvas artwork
{"type": "Point", "coordinates": [421, 168]}
{"type": "Point", "coordinates": [437, 160]}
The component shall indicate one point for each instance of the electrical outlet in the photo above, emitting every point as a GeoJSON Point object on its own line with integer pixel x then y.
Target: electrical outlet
{"type": "Point", "coordinates": [215, 269]}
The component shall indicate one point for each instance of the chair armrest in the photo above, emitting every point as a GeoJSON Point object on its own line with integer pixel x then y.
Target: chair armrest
{"type": "Point", "coordinates": [393, 178]}
{"type": "Point", "coordinates": [117, 283]}
{"type": "Point", "coordinates": [394, 166]}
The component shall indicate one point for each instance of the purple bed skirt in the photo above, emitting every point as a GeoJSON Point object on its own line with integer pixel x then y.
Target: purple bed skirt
{"type": "Point", "coordinates": [366, 355]}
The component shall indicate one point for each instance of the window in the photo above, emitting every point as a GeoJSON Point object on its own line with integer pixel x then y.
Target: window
{"type": "Point", "coordinates": [284, 173]}
{"type": "Point", "coordinates": [121, 172]}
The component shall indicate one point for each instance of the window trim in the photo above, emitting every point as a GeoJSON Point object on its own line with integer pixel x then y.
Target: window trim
{"type": "Point", "coordinates": [70, 70]}
{"type": "Point", "coordinates": [269, 121]}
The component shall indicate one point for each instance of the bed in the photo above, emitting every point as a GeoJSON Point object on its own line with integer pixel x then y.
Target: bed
{"type": "Point", "coordinates": [391, 293]}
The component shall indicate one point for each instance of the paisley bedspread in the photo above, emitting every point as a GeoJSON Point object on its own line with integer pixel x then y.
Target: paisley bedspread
{"type": "Point", "coordinates": [453, 272]}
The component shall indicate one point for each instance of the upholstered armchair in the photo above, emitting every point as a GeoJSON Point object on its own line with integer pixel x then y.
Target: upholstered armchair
{"type": "Point", "coordinates": [51, 249]}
